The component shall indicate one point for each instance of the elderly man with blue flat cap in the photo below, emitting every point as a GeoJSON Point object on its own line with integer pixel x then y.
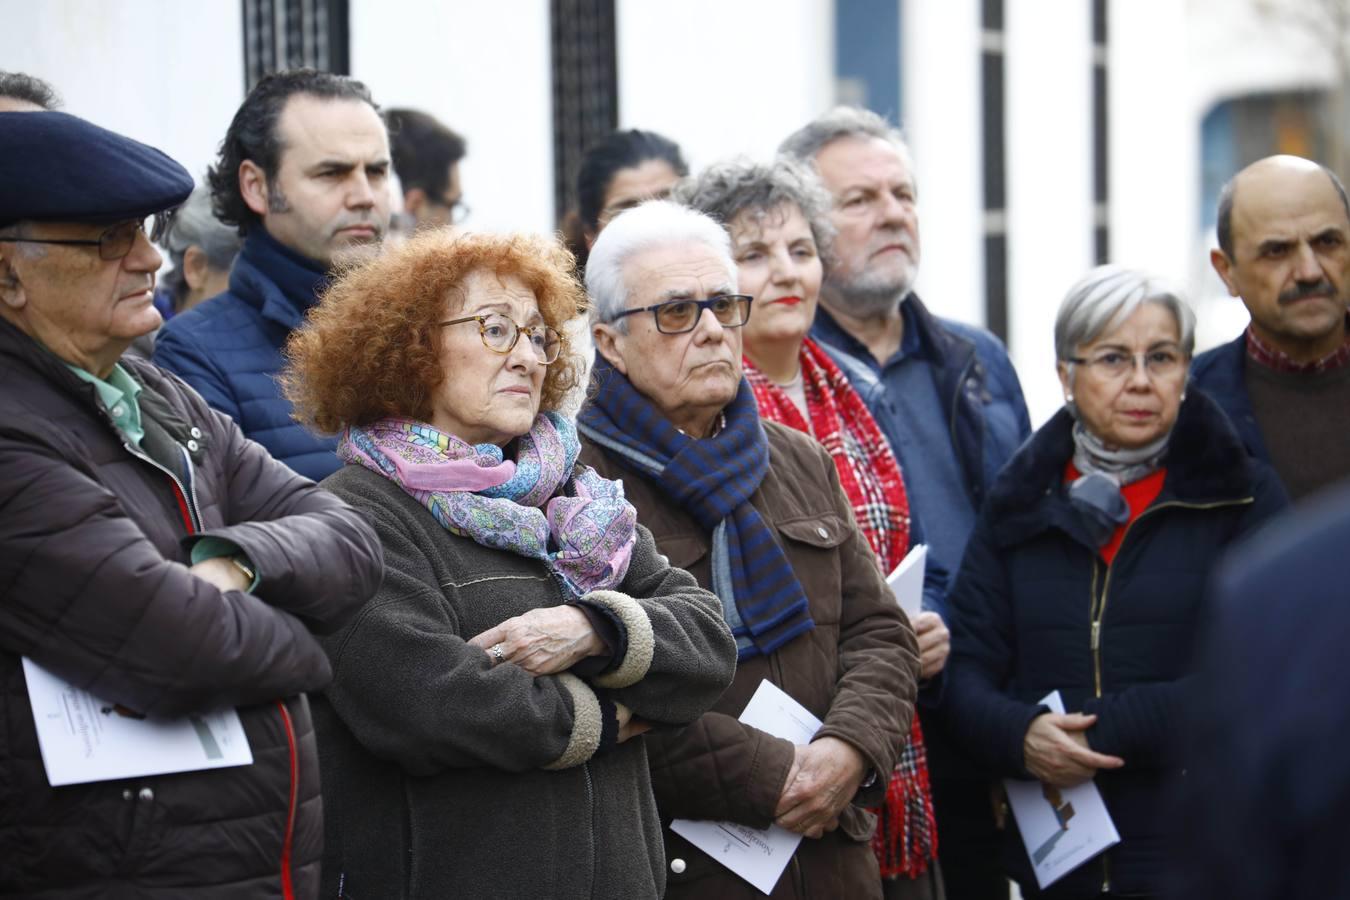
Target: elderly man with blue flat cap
{"type": "Point", "coordinates": [161, 574]}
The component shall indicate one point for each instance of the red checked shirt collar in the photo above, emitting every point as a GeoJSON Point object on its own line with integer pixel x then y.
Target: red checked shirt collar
{"type": "Point", "coordinates": [1271, 358]}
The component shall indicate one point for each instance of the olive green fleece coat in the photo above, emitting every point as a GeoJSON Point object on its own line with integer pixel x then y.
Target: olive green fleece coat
{"type": "Point", "coordinates": [444, 776]}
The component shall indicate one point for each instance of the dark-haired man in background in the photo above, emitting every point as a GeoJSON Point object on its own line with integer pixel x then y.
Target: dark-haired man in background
{"type": "Point", "coordinates": [1284, 248]}
{"type": "Point", "coordinates": [426, 159]}
{"type": "Point", "coordinates": [303, 173]}
{"type": "Point", "coordinates": [20, 92]}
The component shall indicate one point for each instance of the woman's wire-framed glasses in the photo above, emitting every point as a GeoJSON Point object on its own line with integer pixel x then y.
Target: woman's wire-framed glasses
{"type": "Point", "coordinates": [500, 335]}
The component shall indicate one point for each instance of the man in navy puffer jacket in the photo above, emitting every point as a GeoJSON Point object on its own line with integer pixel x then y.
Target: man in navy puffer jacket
{"type": "Point", "coordinates": [303, 174]}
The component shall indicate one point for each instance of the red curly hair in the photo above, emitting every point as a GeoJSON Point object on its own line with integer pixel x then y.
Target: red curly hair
{"type": "Point", "coordinates": [371, 347]}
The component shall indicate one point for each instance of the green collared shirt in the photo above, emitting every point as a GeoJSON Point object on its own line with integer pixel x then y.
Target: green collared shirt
{"type": "Point", "coordinates": [117, 395]}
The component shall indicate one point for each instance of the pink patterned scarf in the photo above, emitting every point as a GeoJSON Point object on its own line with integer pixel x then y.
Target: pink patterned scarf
{"type": "Point", "coordinates": [541, 505]}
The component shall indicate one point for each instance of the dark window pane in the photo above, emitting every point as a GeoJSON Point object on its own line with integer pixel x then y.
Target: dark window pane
{"type": "Point", "coordinates": [996, 284]}
{"type": "Point", "coordinates": [289, 34]}
{"type": "Point", "coordinates": [991, 105]}
{"type": "Point", "coordinates": [1099, 22]}
{"type": "Point", "coordinates": [991, 15]}
{"type": "Point", "coordinates": [867, 54]}
{"type": "Point", "coordinates": [1100, 148]}
{"type": "Point", "coordinates": [585, 87]}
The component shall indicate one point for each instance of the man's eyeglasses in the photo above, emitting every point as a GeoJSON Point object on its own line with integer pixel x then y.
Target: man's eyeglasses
{"type": "Point", "coordinates": [115, 242]}
{"type": "Point", "coordinates": [500, 335]}
{"type": "Point", "coordinates": [679, 316]}
{"type": "Point", "coordinates": [1160, 363]}
{"type": "Point", "coordinates": [459, 210]}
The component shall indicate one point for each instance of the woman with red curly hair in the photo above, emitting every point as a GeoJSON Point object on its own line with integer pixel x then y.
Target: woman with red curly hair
{"type": "Point", "coordinates": [484, 701]}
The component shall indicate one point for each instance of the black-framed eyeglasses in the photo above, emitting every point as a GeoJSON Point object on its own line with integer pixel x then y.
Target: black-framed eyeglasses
{"type": "Point", "coordinates": [679, 316]}
{"type": "Point", "coordinates": [115, 242]}
{"type": "Point", "coordinates": [500, 335]}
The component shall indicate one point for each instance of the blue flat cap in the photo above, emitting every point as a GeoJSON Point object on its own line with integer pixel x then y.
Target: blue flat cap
{"type": "Point", "coordinates": [59, 168]}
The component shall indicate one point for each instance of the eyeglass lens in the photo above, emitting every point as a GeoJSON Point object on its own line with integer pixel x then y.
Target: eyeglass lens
{"type": "Point", "coordinates": [1156, 362]}
{"type": "Point", "coordinates": [682, 315]}
{"type": "Point", "coordinates": [500, 335]}
{"type": "Point", "coordinates": [117, 241]}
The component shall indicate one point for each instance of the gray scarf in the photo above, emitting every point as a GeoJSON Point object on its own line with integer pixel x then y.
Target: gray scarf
{"type": "Point", "coordinates": [1096, 492]}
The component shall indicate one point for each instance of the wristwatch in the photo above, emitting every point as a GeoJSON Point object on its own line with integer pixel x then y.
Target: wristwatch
{"type": "Point", "coordinates": [242, 563]}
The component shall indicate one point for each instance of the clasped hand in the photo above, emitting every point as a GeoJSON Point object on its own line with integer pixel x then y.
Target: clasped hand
{"type": "Point", "coordinates": [1056, 750]}
{"type": "Point", "coordinates": [825, 775]}
{"type": "Point", "coordinates": [550, 640]}
{"type": "Point", "coordinates": [543, 641]}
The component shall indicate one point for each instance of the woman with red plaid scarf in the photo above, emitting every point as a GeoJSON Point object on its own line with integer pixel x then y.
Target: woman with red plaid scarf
{"type": "Point", "coordinates": [776, 217]}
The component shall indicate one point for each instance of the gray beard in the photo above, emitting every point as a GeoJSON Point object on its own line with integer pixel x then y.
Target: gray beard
{"type": "Point", "coordinates": [867, 298]}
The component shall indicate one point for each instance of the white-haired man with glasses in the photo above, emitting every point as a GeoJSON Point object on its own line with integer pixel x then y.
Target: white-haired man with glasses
{"type": "Point", "coordinates": [754, 510]}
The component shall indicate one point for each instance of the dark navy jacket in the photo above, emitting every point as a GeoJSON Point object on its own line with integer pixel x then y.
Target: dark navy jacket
{"type": "Point", "coordinates": [975, 381]}
{"type": "Point", "coordinates": [1036, 609]}
{"type": "Point", "coordinates": [1263, 813]}
{"type": "Point", "coordinates": [229, 349]}
{"type": "Point", "coordinates": [1221, 373]}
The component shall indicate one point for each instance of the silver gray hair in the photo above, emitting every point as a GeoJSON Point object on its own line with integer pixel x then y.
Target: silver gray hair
{"type": "Point", "coordinates": [841, 122]}
{"type": "Point", "coordinates": [727, 189]}
{"type": "Point", "coordinates": [196, 225]}
{"type": "Point", "coordinates": [1107, 296]}
{"type": "Point", "coordinates": [656, 223]}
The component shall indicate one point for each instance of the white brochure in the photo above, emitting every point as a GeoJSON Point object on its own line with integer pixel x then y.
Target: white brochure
{"type": "Point", "coordinates": [757, 855]}
{"type": "Point", "coordinates": [906, 582]}
{"type": "Point", "coordinates": [85, 739]}
{"type": "Point", "coordinates": [1062, 828]}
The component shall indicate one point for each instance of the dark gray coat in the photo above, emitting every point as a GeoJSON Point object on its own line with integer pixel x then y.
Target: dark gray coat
{"type": "Point", "coordinates": [93, 553]}
{"type": "Point", "coordinates": [447, 777]}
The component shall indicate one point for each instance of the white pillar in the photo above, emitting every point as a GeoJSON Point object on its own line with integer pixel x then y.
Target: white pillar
{"type": "Point", "coordinates": [1049, 176]}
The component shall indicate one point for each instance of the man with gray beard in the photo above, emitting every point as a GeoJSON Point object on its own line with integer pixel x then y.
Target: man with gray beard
{"type": "Point", "coordinates": [944, 393]}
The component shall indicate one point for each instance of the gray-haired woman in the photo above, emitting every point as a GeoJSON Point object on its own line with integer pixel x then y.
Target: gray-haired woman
{"type": "Point", "coordinates": [1086, 573]}
{"type": "Point", "coordinates": [202, 250]}
{"type": "Point", "coordinates": [777, 217]}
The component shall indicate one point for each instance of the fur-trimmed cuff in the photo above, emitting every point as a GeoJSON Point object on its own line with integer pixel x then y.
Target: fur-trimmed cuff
{"type": "Point", "coordinates": [587, 724]}
{"type": "Point", "coordinates": [641, 639]}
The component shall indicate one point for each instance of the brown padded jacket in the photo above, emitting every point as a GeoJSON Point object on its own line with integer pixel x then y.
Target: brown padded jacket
{"type": "Point", "coordinates": [856, 671]}
{"type": "Point", "coordinates": [94, 545]}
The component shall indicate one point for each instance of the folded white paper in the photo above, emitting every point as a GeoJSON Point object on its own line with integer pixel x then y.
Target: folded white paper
{"type": "Point", "coordinates": [85, 739]}
{"type": "Point", "coordinates": [1062, 828]}
{"type": "Point", "coordinates": [757, 855]}
{"type": "Point", "coordinates": [906, 582]}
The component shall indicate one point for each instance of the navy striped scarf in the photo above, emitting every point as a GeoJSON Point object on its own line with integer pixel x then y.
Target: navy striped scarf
{"type": "Point", "coordinates": [711, 479]}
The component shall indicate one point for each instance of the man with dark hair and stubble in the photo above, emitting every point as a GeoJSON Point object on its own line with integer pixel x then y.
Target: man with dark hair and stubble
{"type": "Point", "coordinates": [20, 92]}
{"type": "Point", "coordinates": [426, 159]}
{"type": "Point", "coordinates": [303, 174]}
{"type": "Point", "coordinates": [1284, 249]}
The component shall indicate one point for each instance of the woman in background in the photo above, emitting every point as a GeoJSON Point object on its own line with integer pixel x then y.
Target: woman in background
{"type": "Point", "coordinates": [616, 174]}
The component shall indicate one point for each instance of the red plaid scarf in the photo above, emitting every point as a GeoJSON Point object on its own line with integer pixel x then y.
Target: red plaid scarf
{"type": "Point", "coordinates": [906, 838]}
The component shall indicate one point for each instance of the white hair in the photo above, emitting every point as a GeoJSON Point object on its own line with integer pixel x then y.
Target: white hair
{"type": "Point", "coordinates": [656, 223]}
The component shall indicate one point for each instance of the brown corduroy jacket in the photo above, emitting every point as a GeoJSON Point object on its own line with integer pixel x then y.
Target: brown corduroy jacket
{"type": "Point", "coordinates": [856, 671]}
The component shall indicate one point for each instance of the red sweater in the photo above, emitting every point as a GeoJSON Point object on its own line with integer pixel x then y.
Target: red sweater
{"type": "Point", "coordinates": [1138, 495]}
